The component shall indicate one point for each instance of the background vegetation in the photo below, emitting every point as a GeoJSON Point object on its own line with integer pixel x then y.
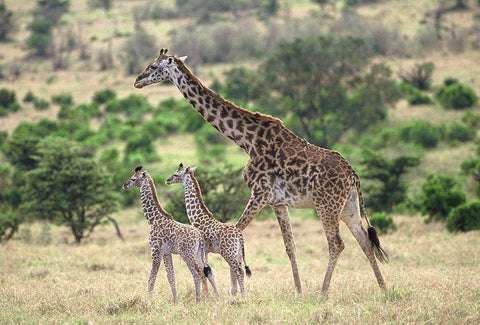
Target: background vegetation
{"type": "Point", "coordinates": [392, 85]}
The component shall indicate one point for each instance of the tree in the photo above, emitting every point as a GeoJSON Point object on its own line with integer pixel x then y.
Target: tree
{"type": "Point", "coordinates": [68, 187]}
{"type": "Point", "coordinates": [6, 22]}
{"type": "Point", "coordinates": [320, 87]}
{"type": "Point", "coordinates": [391, 189]}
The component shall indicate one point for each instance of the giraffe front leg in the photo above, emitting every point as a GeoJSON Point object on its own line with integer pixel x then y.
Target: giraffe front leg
{"type": "Point", "coordinates": [156, 259]}
{"type": "Point", "coordinates": [254, 205]}
{"type": "Point", "coordinates": [281, 212]}
{"type": "Point", "coordinates": [170, 275]}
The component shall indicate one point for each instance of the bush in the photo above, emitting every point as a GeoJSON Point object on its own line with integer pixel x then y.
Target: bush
{"type": "Point", "coordinates": [422, 133]}
{"type": "Point", "coordinates": [104, 95]}
{"type": "Point", "coordinates": [439, 197]}
{"type": "Point", "coordinates": [420, 76]}
{"type": "Point", "coordinates": [414, 95]}
{"type": "Point", "coordinates": [465, 217]}
{"type": "Point", "coordinates": [140, 47]}
{"type": "Point", "coordinates": [471, 119]}
{"type": "Point", "coordinates": [456, 96]}
{"type": "Point", "coordinates": [63, 99]}
{"type": "Point", "coordinates": [459, 132]}
{"type": "Point", "coordinates": [382, 223]}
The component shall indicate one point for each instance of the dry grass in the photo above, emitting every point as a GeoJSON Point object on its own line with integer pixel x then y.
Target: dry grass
{"type": "Point", "coordinates": [432, 278]}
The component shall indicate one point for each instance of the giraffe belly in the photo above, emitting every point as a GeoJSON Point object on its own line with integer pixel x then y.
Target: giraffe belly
{"type": "Point", "coordinates": [282, 195]}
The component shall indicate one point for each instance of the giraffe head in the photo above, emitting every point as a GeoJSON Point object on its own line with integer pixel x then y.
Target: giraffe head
{"type": "Point", "coordinates": [137, 179]}
{"type": "Point", "coordinates": [180, 174]}
{"type": "Point", "coordinates": [158, 70]}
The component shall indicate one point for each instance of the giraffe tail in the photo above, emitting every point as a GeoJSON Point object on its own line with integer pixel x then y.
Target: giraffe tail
{"type": "Point", "coordinates": [207, 270]}
{"type": "Point", "coordinates": [379, 252]}
{"type": "Point", "coordinates": [248, 272]}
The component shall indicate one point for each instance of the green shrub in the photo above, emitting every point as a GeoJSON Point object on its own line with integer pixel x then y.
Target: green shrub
{"type": "Point", "coordinates": [465, 217]}
{"type": "Point", "coordinates": [459, 132]}
{"type": "Point", "coordinates": [7, 97]}
{"type": "Point", "coordinates": [471, 119]}
{"type": "Point", "coordinates": [422, 133]}
{"type": "Point", "coordinates": [454, 95]}
{"type": "Point", "coordinates": [104, 95]}
{"type": "Point", "coordinates": [41, 104]}
{"type": "Point", "coordinates": [64, 99]}
{"type": "Point", "coordinates": [413, 95]}
{"type": "Point", "coordinates": [382, 223]}
{"type": "Point", "coordinates": [29, 97]}
{"type": "Point", "coordinates": [439, 197]}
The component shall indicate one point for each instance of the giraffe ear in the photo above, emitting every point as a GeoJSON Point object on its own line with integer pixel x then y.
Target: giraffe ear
{"type": "Point", "coordinates": [183, 58]}
{"type": "Point", "coordinates": [193, 169]}
{"type": "Point", "coordinates": [180, 166]}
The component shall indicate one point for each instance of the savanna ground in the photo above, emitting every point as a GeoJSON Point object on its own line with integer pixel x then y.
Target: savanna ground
{"type": "Point", "coordinates": [432, 278]}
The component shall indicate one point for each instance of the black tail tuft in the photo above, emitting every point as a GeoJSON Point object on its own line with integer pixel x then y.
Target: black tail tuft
{"type": "Point", "coordinates": [381, 255]}
{"type": "Point", "coordinates": [247, 271]}
{"type": "Point", "coordinates": [207, 270]}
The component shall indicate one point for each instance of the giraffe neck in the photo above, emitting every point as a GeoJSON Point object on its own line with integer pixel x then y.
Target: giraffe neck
{"type": "Point", "coordinates": [234, 122]}
{"type": "Point", "coordinates": [197, 211]}
{"type": "Point", "coordinates": [152, 209]}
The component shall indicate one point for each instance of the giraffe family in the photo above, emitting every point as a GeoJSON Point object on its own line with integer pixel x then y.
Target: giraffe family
{"type": "Point", "coordinates": [168, 237]}
{"type": "Point", "coordinates": [283, 170]}
{"type": "Point", "coordinates": [221, 238]}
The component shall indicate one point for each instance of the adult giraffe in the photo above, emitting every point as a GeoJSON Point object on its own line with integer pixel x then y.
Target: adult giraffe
{"type": "Point", "coordinates": [283, 169]}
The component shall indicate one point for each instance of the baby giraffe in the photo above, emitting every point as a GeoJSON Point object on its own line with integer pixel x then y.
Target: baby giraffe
{"type": "Point", "coordinates": [168, 237]}
{"type": "Point", "coordinates": [221, 238]}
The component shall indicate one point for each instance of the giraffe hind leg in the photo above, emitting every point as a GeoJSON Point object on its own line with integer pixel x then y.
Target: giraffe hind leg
{"type": "Point", "coordinates": [351, 216]}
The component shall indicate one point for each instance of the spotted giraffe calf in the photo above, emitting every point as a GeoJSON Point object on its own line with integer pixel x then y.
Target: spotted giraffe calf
{"type": "Point", "coordinates": [168, 237]}
{"type": "Point", "coordinates": [224, 239]}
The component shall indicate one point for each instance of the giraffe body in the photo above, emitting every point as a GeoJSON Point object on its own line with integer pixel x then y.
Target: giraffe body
{"type": "Point", "coordinates": [168, 237]}
{"type": "Point", "coordinates": [221, 238]}
{"type": "Point", "coordinates": [283, 169]}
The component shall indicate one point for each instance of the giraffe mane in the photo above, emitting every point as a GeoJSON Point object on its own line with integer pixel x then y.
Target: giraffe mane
{"type": "Point", "coordinates": [155, 197]}
{"type": "Point", "coordinates": [217, 96]}
{"type": "Point", "coordinates": [199, 191]}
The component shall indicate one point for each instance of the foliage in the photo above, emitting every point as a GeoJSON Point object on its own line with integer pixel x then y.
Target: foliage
{"type": "Point", "coordinates": [465, 217]}
{"type": "Point", "coordinates": [63, 99]}
{"type": "Point", "coordinates": [391, 188]}
{"type": "Point", "coordinates": [223, 191]}
{"type": "Point", "coordinates": [8, 102]}
{"type": "Point", "coordinates": [439, 196]}
{"type": "Point", "coordinates": [104, 95]}
{"type": "Point", "coordinates": [6, 22]}
{"type": "Point", "coordinates": [139, 147]}
{"type": "Point", "coordinates": [21, 147]}
{"type": "Point", "coordinates": [241, 84]}
{"type": "Point", "coordinates": [40, 38]}
{"type": "Point", "coordinates": [454, 95]}
{"type": "Point", "coordinates": [414, 95]}
{"type": "Point", "coordinates": [382, 222]}
{"type": "Point", "coordinates": [320, 99]}
{"type": "Point", "coordinates": [420, 76]}
{"type": "Point", "coordinates": [210, 145]}
{"type": "Point", "coordinates": [459, 132]}
{"type": "Point", "coordinates": [68, 187]}
{"type": "Point", "coordinates": [52, 10]}
{"type": "Point", "coordinates": [104, 4]}
{"type": "Point", "coordinates": [420, 132]}
{"type": "Point", "coordinates": [10, 220]}
{"type": "Point", "coordinates": [138, 49]}
{"type": "Point", "coordinates": [132, 104]}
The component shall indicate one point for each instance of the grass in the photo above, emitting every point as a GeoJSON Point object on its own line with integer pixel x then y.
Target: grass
{"type": "Point", "coordinates": [432, 278]}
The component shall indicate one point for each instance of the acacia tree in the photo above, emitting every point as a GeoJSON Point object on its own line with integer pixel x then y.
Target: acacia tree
{"type": "Point", "coordinates": [68, 187]}
{"type": "Point", "coordinates": [321, 87]}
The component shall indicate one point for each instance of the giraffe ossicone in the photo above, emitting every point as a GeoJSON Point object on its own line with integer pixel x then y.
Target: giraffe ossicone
{"type": "Point", "coordinates": [168, 237]}
{"type": "Point", "coordinates": [221, 238]}
{"type": "Point", "coordinates": [283, 169]}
